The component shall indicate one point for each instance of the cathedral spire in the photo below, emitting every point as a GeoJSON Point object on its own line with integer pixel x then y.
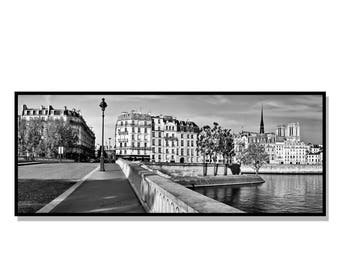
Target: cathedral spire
{"type": "Point", "coordinates": [262, 124]}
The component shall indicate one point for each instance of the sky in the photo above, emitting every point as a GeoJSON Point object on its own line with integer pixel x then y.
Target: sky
{"type": "Point", "coordinates": [237, 112]}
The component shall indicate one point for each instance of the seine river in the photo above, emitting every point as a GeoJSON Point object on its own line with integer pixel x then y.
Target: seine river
{"type": "Point", "coordinates": [279, 194]}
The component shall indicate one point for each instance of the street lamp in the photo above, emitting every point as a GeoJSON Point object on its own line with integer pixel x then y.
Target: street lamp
{"type": "Point", "coordinates": [102, 105]}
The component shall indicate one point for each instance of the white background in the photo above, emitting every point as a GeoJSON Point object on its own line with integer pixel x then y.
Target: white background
{"type": "Point", "coordinates": [168, 45]}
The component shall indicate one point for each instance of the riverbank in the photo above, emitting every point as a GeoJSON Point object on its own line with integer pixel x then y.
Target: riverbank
{"type": "Point", "coordinates": [210, 181]}
{"type": "Point", "coordinates": [196, 169]}
{"type": "Point", "coordinates": [284, 169]}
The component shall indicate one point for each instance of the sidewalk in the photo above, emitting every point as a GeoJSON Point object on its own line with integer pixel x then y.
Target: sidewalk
{"type": "Point", "coordinates": [102, 192]}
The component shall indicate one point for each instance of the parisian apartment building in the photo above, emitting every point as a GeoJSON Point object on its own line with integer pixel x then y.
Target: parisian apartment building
{"type": "Point", "coordinates": [86, 137]}
{"type": "Point", "coordinates": [163, 138]}
{"type": "Point", "coordinates": [158, 138]}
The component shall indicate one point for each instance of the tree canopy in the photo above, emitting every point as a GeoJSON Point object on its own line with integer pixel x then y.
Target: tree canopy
{"type": "Point", "coordinates": [255, 156]}
{"type": "Point", "coordinates": [43, 137]}
{"type": "Point", "coordinates": [215, 141]}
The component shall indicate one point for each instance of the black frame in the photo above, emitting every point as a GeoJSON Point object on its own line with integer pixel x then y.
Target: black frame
{"type": "Point", "coordinates": [324, 141]}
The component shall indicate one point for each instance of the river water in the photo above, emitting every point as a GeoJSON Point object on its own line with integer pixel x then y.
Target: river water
{"type": "Point", "coordinates": [279, 194]}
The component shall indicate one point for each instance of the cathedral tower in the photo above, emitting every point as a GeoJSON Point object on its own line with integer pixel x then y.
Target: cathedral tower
{"type": "Point", "coordinates": [261, 124]}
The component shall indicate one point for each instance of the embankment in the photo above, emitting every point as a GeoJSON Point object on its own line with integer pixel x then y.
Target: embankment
{"type": "Point", "coordinates": [178, 169]}
{"type": "Point", "coordinates": [159, 194]}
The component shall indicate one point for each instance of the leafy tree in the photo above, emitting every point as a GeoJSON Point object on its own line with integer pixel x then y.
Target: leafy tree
{"type": "Point", "coordinates": [203, 145]}
{"type": "Point", "coordinates": [203, 142]}
{"type": "Point", "coordinates": [59, 133]}
{"type": "Point", "coordinates": [42, 138]}
{"type": "Point", "coordinates": [216, 141]}
{"type": "Point", "coordinates": [255, 156]}
{"type": "Point", "coordinates": [29, 135]}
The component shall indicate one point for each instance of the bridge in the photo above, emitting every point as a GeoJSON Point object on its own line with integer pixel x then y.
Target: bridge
{"type": "Point", "coordinates": [124, 187]}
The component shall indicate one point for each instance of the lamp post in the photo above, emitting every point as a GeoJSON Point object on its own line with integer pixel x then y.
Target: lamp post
{"type": "Point", "coordinates": [102, 105]}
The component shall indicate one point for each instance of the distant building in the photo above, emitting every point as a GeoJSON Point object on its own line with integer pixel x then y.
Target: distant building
{"type": "Point", "coordinates": [314, 158]}
{"type": "Point", "coordinates": [86, 138]}
{"type": "Point", "coordinates": [283, 147]}
{"type": "Point", "coordinates": [155, 138]}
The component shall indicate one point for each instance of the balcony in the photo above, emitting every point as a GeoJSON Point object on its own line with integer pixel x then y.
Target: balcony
{"type": "Point", "coordinates": [170, 138]}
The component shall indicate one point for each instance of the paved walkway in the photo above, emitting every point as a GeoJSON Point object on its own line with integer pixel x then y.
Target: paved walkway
{"type": "Point", "coordinates": [102, 192]}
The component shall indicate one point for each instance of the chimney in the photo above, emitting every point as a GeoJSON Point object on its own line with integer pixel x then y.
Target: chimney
{"type": "Point", "coordinates": [24, 107]}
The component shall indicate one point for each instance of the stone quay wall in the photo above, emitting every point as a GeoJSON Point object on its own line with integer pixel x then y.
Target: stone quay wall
{"type": "Point", "coordinates": [285, 169]}
{"type": "Point", "coordinates": [159, 194]}
{"type": "Point", "coordinates": [177, 169]}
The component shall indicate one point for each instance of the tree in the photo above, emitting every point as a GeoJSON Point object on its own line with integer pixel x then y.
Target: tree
{"type": "Point", "coordinates": [203, 145]}
{"type": "Point", "coordinates": [59, 133]}
{"type": "Point", "coordinates": [29, 135]}
{"type": "Point", "coordinates": [226, 147]}
{"type": "Point", "coordinates": [42, 138]}
{"type": "Point", "coordinates": [255, 156]}
{"type": "Point", "coordinates": [215, 142]}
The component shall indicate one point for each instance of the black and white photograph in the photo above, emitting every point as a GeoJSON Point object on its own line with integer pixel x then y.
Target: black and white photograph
{"type": "Point", "coordinates": [171, 154]}
{"type": "Point", "coordinates": [170, 135]}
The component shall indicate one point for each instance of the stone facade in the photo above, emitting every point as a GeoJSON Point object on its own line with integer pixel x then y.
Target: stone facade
{"type": "Point", "coordinates": [155, 138]}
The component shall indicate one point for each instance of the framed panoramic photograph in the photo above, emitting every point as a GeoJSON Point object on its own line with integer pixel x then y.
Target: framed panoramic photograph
{"type": "Point", "coordinates": [170, 154]}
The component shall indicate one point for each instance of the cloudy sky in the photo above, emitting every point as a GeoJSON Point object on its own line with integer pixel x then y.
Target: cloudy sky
{"type": "Point", "coordinates": [231, 111]}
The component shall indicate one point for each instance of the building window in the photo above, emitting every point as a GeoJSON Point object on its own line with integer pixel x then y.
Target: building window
{"type": "Point", "coordinates": [153, 141]}
{"type": "Point", "coordinates": [138, 130]}
{"type": "Point", "coordinates": [181, 136]}
{"type": "Point", "coordinates": [145, 144]}
{"type": "Point", "coordinates": [133, 137]}
{"type": "Point", "coordinates": [133, 129]}
{"type": "Point", "coordinates": [159, 142]}
{"type": "Point", "coordinates": [138, 144]}
{"type": "Point", "coordinates": [182, 143]}
{"type": "Point", "coordinates": [159, 134]}
{"type": "Point", "coordinates": [159, 150]}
